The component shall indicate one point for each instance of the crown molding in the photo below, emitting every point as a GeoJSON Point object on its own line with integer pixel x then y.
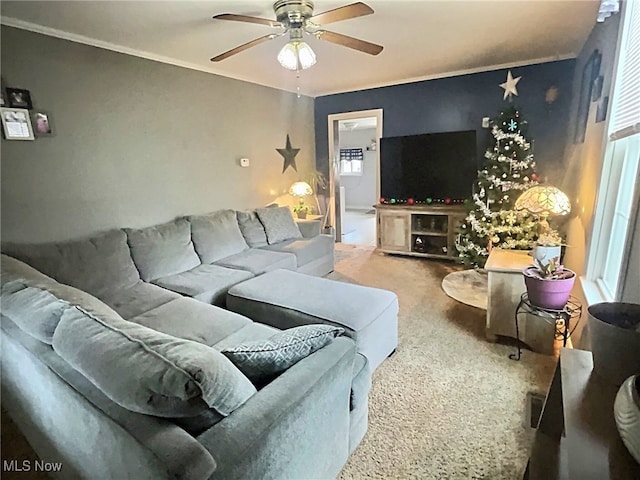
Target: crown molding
{"type": "Point", "coordinates": [455, 73]}
{"type": "Point", "coordinates": [73, 37]}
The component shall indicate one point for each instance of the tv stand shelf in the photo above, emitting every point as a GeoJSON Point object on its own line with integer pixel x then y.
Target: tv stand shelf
{"type": "Point", "coordinates": [419, 230]}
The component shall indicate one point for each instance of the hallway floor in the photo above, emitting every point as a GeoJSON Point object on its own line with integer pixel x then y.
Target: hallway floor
{"type": "Point", "coordinates": [359, 228]}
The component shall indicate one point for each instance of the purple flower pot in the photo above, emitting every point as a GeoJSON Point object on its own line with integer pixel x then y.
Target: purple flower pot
{"type": "Point", "coordinates": [546, 293]}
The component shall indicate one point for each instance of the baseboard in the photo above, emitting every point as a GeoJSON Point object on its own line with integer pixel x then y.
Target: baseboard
{"type": "Point", "coordinates": [359, 208]}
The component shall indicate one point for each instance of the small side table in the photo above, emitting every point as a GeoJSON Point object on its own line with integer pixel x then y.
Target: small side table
{"type": "Point", "coordinates": [310, 226]}
{"type": "Point", "coordinates": [505, 284]}
{"type": "Point", "coordinates": [573, 309]}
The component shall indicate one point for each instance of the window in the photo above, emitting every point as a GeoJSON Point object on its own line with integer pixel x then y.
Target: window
{"type": "Point", "coordinates": [351, 161]}
{"type": "Point", "coordinates": [620, 166]}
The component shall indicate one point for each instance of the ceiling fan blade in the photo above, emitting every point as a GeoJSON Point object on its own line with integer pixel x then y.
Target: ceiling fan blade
{"type": "Point", "coordinates": [244, 47]}
{"type": "Point", "coordinates": [342, 13]}
{"type": "Point", "coordinates": [351, 42]}
{"type": "Point", "coordinates": [247, 19]}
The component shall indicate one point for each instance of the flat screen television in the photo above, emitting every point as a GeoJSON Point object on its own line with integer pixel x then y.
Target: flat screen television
{"type": "Point", "coordinates": [430, 165]}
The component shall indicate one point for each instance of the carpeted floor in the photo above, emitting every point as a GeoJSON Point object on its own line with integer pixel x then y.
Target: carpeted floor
{"type": "Point", "coordinates": [447, 404]}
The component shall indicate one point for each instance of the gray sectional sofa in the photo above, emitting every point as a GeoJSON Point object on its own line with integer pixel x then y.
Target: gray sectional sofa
{"type": "Point", "coordinates": [119, 362]}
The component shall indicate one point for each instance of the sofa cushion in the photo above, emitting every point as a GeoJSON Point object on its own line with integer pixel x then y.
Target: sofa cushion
{"type": "Point", "coordinates": [142, 297]}
{"type": "Point", "coordinates": [94, 264]}
{"type": "Point", "coordinates": [279, 224]}
{"type": "Point", "coordinates": [216, 235]}
{"type": "Point", "coordinates": [261, 360]}
{"type": "Point", "coordinates": [162, 250]}
{"type": "Point", "coordinates": [305, 250]}
{"type": "Point", "coordinates": [251, 228]}
{"type": "Point", "coordinates": [361, 382]}
{"type": "Point", "coordinates": [207, 283]}
{"type": "Point", "coordinates": [36, 311]}
{"type": "Point", "coordinates": [36, 302]}
{"type": "Point", "coordinates": [250, 332]}
{"type": "Point", "coordinates": [147, 371]}
{"type": "Point", "coordinates": [190, 319]}
{"type": "Point", "coordinates": [12, 270]}
{"type": "Point", "coordinates": [258, 261]}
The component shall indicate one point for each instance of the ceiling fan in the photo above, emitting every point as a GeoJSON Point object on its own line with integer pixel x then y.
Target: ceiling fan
{"type": "Point", "coordinates": [296, 18]}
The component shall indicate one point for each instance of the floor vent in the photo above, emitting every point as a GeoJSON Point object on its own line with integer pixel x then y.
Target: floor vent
{"type": "Point", "coordinates": [535, 402]}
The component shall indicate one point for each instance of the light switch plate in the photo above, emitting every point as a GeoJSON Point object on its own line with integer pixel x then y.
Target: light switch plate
{"type": "Point", "coordinates": [485, 122]}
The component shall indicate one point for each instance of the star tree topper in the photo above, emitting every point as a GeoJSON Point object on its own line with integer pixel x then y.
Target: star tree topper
{"type": "Point", "coordinates": [289, 155]}
{"type": "Point", "coordinates": [510, 86]}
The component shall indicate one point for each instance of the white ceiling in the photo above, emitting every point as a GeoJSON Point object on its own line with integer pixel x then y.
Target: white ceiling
{"type": "Point", "coordinates": [422, 39]}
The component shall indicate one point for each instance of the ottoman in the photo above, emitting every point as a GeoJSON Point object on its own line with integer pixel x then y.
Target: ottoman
{"type": "Point", "coordinates": [286, 299]}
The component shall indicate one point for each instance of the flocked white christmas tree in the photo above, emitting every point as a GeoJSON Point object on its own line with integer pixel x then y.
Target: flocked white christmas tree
{"type": "Point", "coordinates": [492, 220]}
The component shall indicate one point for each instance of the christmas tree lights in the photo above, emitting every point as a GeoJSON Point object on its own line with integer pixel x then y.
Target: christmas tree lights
{"type": "Point", "coordinates": [509, 170]}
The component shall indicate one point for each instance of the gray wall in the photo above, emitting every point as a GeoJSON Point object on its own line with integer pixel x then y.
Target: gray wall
{"type": "Point", "coordinates": [360, 190]}
{"type": "Point", "coordinates": [138, 142]}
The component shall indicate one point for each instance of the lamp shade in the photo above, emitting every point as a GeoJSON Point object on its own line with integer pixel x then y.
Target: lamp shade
{"type": "Point", "coordinates": [544, 200]}
{"type": "Point", "coordinates": [295, 55]}
{"type": "Point", "coordinates": [300, 189]}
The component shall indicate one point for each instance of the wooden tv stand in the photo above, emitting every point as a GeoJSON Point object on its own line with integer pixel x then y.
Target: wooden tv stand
{"type": "Point", "coordinates": [400, 225]}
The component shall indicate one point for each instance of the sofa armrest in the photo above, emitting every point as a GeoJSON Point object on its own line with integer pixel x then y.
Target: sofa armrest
{"type": "Point", "coordinates": [104, 439]}
{"type": "Point", "coordinates": [295, 427]}
{"type": "Point", "coordinates": [309, 228]}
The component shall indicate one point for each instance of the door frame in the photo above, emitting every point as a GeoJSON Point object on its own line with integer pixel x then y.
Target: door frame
{"type": "Point", "coordinates": [334, 165]}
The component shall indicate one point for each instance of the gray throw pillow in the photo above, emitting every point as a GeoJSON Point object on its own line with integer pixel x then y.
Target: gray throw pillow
{"type": "Point", "coordinates": [162, 250]}
{"type": "Point", "coordinates": [78, 262]}
{"type": "Point", "coordinates": [252, 229]}
{"type": "Point", "coordinates": [279, 224]}
{"type": "Point", "coordinates": [263, 359]}
{"type": "Point", "coordinates": [217, 235]}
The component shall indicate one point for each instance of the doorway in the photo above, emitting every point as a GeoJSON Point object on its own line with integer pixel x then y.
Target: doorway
{"type": "Point", "coordinates": [354, 174]}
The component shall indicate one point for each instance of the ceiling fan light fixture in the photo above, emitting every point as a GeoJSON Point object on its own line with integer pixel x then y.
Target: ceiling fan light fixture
{"type": "Point", "coordinates": [295, 55]}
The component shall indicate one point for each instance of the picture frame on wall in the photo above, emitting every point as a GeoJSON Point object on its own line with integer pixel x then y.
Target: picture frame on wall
{"type": "Point", "coordinates": [590, 72]}
{"type": "Point", "coordinates": [19, 98]}
{"type": "Point", "coordinates": [597, 88]}
{"type": "Point", "coordinates": [601, 112]}
{"type": "Point", "coordinates": [16, 124]}
{"type": "Point", "coordinates": [42, 124]}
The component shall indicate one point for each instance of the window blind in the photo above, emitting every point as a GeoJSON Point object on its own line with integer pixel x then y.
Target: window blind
{"type": "Point", "coordinates": [625, 119]}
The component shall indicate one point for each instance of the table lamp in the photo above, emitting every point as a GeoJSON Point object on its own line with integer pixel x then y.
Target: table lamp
{"type": "Point", "coordinates": [301, 189]}
{"type": "Point", "coordinates": [544, 200]}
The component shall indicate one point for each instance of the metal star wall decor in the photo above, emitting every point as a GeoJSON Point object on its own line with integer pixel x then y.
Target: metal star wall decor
{"type": "Point", "coordinates": [510, 86]}
{"type": "Point", "coordinates": [289, 155]}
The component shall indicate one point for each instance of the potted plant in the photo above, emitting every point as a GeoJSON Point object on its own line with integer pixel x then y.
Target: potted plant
{"type": "Point", "coordinates": [549, 284]}
{"type": "Point", "coordinates": [301, 210]}
{"type": "Point", "coordinates": [547, 246]}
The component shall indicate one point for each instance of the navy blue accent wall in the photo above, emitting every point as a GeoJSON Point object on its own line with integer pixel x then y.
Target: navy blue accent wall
{"type": "Point", "coordinates": [459, 103]}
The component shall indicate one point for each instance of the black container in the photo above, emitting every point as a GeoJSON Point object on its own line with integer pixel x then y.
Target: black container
{"type": "Point", "coordinates": [614, 328]}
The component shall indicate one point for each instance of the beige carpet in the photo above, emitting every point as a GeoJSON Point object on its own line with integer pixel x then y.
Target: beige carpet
{"type": "Point", "coordinates": [468, 287]}
{"type": "Point", "coordinates": [448, 404]}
